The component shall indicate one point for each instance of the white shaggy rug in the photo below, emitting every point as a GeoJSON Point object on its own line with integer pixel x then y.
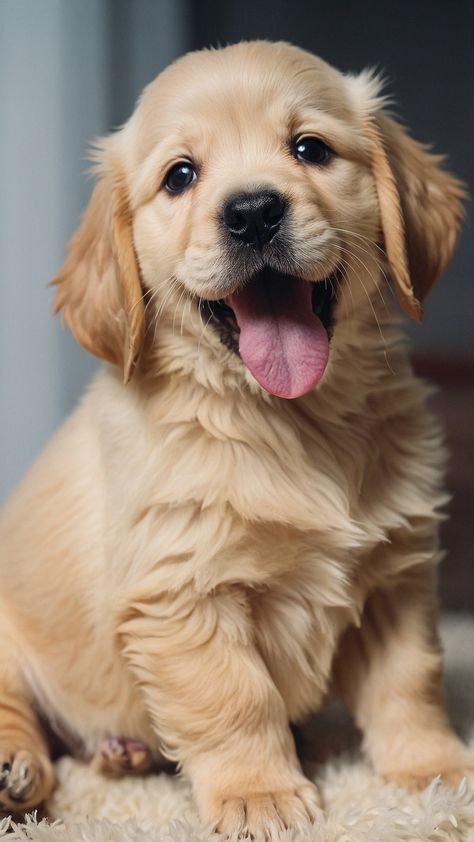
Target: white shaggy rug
{"type": "Point", "coordinates": [359, 807]}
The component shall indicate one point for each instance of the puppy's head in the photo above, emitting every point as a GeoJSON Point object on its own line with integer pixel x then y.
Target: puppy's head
{"type": "Point", "coordinates": [259, 189]}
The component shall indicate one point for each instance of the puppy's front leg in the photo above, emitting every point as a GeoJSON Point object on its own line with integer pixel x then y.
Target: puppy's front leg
{"type": "Point", "coordinates": [216, 708]}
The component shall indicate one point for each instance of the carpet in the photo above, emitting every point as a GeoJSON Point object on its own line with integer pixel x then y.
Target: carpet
{"type": "Point", "coordinates": [359, 807]}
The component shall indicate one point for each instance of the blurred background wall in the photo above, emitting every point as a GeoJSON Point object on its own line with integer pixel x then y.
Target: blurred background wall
{"type": "Point", "coordinates": [72, 69]}
{"type": "Point", "coordinates": [69, 70]}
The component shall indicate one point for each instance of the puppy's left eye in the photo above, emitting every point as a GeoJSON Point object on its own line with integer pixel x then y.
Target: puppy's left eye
{"type": "Point", "coordinates": [311, 150]}
{"type": "Point", "coordinates": [180, 176]}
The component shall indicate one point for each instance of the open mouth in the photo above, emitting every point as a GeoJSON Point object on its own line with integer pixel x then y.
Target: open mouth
{"type": "Point", "coordinates": [281, 326]}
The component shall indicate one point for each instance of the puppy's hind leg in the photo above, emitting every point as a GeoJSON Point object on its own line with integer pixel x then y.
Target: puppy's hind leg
{"type": "Point", "coordinates": [26, 772]}
{"type": "Point", "coordinates": [390, 674]}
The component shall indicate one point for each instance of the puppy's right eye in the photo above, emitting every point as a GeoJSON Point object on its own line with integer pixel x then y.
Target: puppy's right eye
{"type": "Point", "coordinates": [180, 176]}
{"type": "Point", "coordinates": [312, 150]}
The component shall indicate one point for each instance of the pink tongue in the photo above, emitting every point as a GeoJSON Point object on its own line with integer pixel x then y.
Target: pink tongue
{"type": "Point", "coordinates": [282, 342]}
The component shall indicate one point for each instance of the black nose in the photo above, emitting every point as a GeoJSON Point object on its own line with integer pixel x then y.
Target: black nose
{"type": "Point", "coordinates": [254, 218]}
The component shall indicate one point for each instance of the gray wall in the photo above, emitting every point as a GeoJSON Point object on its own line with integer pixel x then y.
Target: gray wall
{"type": "Point", "coordinates": [71, 69]}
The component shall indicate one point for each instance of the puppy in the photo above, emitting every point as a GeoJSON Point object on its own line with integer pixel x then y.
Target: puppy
{"type": "Point", "coordinates": [241, 516]}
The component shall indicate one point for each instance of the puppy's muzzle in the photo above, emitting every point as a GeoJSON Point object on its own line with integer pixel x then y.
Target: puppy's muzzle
{"type": "Point", "coordinates": [254, 218]}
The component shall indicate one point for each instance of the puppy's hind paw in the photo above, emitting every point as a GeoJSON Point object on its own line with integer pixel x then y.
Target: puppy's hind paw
{"type": "Point", "coordinates": [26, 780]}
{"type": "Point", "coordinates": [119, 756]}
{"type": "Point", "coordinates": [451, 767]}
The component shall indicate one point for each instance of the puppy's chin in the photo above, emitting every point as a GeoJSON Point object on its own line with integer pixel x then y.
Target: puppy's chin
{"type": "Point", "coordinates": [280, 325]}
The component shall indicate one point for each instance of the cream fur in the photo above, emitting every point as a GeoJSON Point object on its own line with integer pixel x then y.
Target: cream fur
{"type": "Point", "coordinates": [193, 562]}
{"type": "Point", "coordinates": [359, 806]}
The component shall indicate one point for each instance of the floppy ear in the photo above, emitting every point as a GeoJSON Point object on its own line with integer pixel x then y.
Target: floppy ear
{"type": "Point", "coordinates": [99, 290]}
{"type": "Point", "coordinates": [420, 208]}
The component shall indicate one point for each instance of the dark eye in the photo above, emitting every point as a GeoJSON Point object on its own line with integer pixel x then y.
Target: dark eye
{"type": "Point", "coordinates": [180, 176]}
{"type": "Point", "coordinates": [312, 151]}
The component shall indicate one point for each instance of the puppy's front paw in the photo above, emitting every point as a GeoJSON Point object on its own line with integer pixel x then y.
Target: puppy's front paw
{"type": "Point", "coordinates": [26, 779]}
{"type": "Point", "coordinates": [269, 813]}
{"type": "Point", "coordinates": [264, 814]}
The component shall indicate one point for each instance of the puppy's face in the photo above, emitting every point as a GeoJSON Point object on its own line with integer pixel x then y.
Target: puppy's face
{"type": "Point", "coordinates": [254, 187]}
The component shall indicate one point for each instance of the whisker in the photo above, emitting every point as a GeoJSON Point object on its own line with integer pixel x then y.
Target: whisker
{"type": "Point", "coordinates": [154, 296]}
{"type": "Point", "coordinates": [343, 247]}
{"type": "Point", "coordinates": [377, 321]}
{"type": "Point", "coordinates": [183, 293]}
{"type": "Point", "coordinates": [380, 269]}
{"type": "Point", "coordinates": [132, 308]}
{"type": "Point", "coordinates": [360, 237]}
{"type": "Point", "coordinates": [369, 273]}
{"type": "Point", "coordinates": [174, 285]}
{"type": "Point", "coordinates": [188, 301]}
{"type": "Point", "coordinates": [336, 254]}
{"type": "Point", "coordinates": [378, 262]}
{"type": "Point", "coordinates": [348, 285]}
{"type": "Point", "coordinates": [204, 328]}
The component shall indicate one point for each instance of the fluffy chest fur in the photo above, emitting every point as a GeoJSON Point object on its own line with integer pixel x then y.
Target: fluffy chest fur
{"type": "Point", "coordinates": [286, 507]}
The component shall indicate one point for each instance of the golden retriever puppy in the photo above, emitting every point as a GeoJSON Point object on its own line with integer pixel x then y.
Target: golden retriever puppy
{"type": "Point", "coordinates": [250, 520]}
